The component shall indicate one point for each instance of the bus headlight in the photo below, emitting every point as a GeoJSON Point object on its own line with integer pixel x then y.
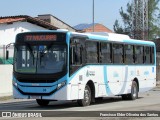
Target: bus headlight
{"type": "Point", "coordinates": [15, 84]}
{"type": "Point", "coordinates": [60, 85]}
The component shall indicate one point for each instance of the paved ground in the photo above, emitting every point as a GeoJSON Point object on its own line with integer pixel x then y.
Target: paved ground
{"type": "Point", "coordinates": [149, 101]}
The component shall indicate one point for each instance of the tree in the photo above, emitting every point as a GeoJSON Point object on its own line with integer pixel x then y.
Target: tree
{"type": "Point", "coordinates": [127, 21]}
{"type": "Point", "coordinates": [118, 28]}
{"type": "Point", "coordinates": [153, 19]}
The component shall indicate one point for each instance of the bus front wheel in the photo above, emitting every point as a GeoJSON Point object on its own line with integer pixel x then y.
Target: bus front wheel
{"type": "Point", "coordinates": [87, 97]}
{"type": "Point", "coordinates": [42, 102]}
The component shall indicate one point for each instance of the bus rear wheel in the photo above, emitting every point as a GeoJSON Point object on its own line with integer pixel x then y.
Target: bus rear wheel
{"type": "Point", "coordinates": [42, 102]}
{"type": "Point", "coordinates": [87, 97]}
{"type": "Point", "coordinates": [134, 92]}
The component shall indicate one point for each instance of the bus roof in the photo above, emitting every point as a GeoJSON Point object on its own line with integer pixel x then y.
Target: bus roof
{"type": "Point", "coordinates": [104, 36]}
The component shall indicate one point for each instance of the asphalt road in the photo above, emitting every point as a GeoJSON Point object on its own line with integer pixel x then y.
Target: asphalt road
{"type": "Point", "coordinates": [148, 101]}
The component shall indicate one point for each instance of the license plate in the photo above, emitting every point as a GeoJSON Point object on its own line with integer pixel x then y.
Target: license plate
{"type": "Point", "coordinates": [35, 97]}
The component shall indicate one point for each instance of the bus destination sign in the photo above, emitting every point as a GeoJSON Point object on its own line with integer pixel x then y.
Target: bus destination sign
{"type": "Point", "coordinates": [41, 37]}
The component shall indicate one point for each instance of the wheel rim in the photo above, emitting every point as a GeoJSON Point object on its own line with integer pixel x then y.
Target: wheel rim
{"type": "Point", "coordinates": [86, 95]}
{"type": "Point", "coordinates": [134, 92]}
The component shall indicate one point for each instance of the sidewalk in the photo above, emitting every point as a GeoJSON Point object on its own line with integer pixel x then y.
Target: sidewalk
{"type": "Point", "coordinates": [158, 83]}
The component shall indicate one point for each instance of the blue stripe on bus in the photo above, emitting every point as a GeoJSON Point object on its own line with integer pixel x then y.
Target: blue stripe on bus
{"type": "Point", "coordinates": [125, 81]}
{"type": "Point", "coordinates": [68, 45]}
{"type": "Point", "coordinates": [108, 91]}
{"type": "Point", "coordinates": [138, 42]}
{"type": "Point", "coordinates": [101, 38]}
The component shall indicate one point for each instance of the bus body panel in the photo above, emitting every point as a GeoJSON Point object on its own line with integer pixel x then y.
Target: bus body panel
{"type": "Point", "coordinates": [18, 95]}
{"type": "Point", "coordinates": [108, 85]}
{"type": "Point", "coordinates": [115, 83]}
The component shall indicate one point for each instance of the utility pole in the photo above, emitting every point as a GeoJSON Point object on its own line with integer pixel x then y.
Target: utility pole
{"type": "Point", "coordinates": [93, 15]}
{"type": "Point", "coordinates": [140, 19]}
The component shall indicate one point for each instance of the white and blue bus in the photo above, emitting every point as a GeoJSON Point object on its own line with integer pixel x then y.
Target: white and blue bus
{"type": "Point", "coordinates": [63, 65]}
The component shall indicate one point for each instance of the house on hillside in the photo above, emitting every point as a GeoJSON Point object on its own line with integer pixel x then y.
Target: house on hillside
{"type": "Point", "coordinates": [89, 28]}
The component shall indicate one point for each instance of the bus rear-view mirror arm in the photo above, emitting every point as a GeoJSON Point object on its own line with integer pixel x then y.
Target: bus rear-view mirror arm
{"type": "Point", "coordinates": [7, 54]}
{"type": "Point", "coordinates": [7, 51]}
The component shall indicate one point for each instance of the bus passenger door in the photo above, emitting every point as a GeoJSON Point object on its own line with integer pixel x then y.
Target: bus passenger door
{"type": "Point", "coordinates": [76, 64]}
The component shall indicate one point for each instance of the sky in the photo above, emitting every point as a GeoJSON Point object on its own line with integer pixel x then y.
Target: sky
{"type": "Point", "coordinates": [72, 12]}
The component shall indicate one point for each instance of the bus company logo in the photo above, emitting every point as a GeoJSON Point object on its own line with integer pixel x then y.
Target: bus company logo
{"type": "Point", "coordinates": [90, 73]}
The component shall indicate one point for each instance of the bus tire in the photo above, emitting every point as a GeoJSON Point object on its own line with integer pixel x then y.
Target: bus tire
{"type": "Point", "coordinates": [134, 91]}
{"type": "Point", "coordinates": [42, 102]}
{"type": "Point", "coordinates": [87, 97]}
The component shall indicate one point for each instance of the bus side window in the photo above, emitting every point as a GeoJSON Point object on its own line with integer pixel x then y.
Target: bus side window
{"type": "Point", "coordinates": [117, 53]}
{"type": "Point", "coordinates": [76, 55]}
{"type": "Point", "coordinates": [138, 53]}
{"type": "Point", "coordinates": [128, 50]}
{"type": "Point", "coordinates": [147, 59]}
{"type": "Point", "coordinates": [91, 52]}
{"type": "Point", "coordinates": [105, 53]}
{"type": "Point", "coordinates": [152, 59]}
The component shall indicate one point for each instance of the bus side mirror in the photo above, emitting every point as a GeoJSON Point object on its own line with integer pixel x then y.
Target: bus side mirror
{"type": "Point", "coordinates": [7, 55]}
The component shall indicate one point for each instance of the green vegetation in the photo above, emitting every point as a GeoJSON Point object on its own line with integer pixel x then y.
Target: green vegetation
{"type": "Point", "coordinates": [3, 61]}
{"type": "Point", "coordinates": [153, 20]}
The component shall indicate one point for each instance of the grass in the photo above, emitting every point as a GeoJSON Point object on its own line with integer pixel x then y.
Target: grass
{"type": "Point", "coordinates": [6, 98]}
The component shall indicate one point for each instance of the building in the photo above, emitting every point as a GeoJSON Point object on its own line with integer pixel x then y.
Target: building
{"type": "Point", "coordinates": [89, 28]}
{"type": "Point", "coordinates": [11, 25]}
{"type": "Point", "coordinates": [56, 22]}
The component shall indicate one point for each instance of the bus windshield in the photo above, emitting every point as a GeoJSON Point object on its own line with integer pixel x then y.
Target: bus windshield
{"type": "Point", "coordinates": [40, 59]}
